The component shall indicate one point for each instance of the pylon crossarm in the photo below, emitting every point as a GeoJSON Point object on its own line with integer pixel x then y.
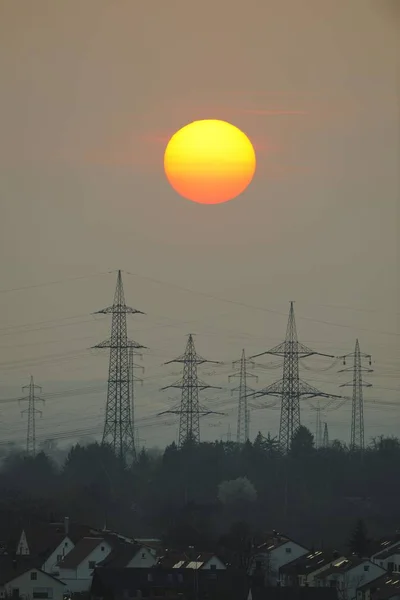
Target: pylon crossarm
{"type": "Point", "coordinates": [119, 309]}
{"type": "Point", "coordinates": [117, 345]}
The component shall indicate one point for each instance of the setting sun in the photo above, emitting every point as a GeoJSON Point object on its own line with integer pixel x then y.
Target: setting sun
{"type": "Point", "coordinates": [209, 161]}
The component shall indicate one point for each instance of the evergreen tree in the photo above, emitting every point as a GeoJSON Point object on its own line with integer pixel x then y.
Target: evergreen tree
{"type": "Point", "coordinates": [359, 541]}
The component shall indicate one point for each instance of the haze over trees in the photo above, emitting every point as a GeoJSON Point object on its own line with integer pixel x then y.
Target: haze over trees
{"type": "Point", "coordinates": [199, 494]}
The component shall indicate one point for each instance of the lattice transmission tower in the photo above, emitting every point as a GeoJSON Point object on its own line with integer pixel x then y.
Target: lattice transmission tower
{"type": "Point", "coordinates": [31, 411]}
{"type": "Point", "coordinates": [357, 407]}
{"type": "Point", "coordinates": [190, 409]}
{"type": "Point", "coordinates": [325, 442]}
{"type": "Point", "coordinates": [291, 388]}
{"type": "Point", "coordinates": [118, 427]}
{"type": "Point", "coordinates": [243, 423]}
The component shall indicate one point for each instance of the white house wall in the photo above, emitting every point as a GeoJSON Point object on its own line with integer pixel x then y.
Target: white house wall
{"type": "Point", "coordinates": [26, 585]}
{"type": "Point", "coordinates": [282, 556]}
{"type": "Point", "coordinates": [394, 559]}
{"type": "Point", "coordinates": [214, 563]}
{"type": "Point", "coordinates": [354, 578]}
{"type": "Point", "coordinates": [80, 579]}
{"type": "Point", "coordinates": [62, 550]}
{"type": "Point", "coordinates": [143, 558]}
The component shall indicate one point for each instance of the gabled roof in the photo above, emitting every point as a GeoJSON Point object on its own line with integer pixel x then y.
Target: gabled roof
{"type": "Point", "coordinates": [275, 540]}
{"type": "Point", "coordinates": [81, 551]}
{"type": "Point", "coordinates": [342, 565]}
{"type": "Point", "coordinates": [304, 565]}
{"type": "Point", "coordinates": [12, 567]}
{"type": "Point", "coordinates": [383, 587]}
{"type": "Point", "coordinates": [375, 582]}
{"type": "Point", "coordinates": [384, 544]}
{"type": "Point", "coordinates": [182, 560]}
{"type": "Point", "coordinates": [120, 556]}
{"type": "Point", "coordinates": [43, 538]}
{"type": "Point", "coordinates": [387, 553]}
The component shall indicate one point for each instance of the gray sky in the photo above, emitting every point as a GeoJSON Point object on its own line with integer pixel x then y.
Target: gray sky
{"type": "Point", "coordinates": [91, 91]}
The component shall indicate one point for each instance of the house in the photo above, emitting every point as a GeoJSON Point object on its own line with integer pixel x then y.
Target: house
{"type": "Point", "coordinates": [304, 570]}
{"type": "Point", "coordinates": [76, 568]}
{"type": "Point", "coordinates": [383, 544]}
{"type": "Point", "coordinates": [50, 542]}
{"type": "Point", "coordinates": [275, 552]}
{"type": "Point", "coordinates": [385, 586]}
{"type": "Point", "coordinates": [130, 556]}
{"type": "Point", "coordinates": [348, 574]}
{"type": "Point", "coordinates": [389, 559]}
{"type": "Point", "coordinates": [20, 578]}
{"type": "Point", "coordinates": [175, 584]}
{"type": "Point", "coordinates": [192, 560]}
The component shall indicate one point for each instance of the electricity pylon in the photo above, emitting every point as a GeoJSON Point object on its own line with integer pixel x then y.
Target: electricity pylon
{"type": "Point", "coordinates": [243, 424]}
{"type": "Point", "coordinates": [32, 411]}
{"type": "Point", "coordinates": [325, 442]}
{"type": "Point", "coordinates": [357, 407]}
{"type": "Point", "coordinates": [190, 410]}
{"type": "Point", "coordinates": [291, 388]}
{"type": "Point", "coordinates": [118, 428]}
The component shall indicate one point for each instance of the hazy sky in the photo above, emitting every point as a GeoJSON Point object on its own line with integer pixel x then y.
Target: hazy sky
{"type": "Point", "coordinates": [90, 93]}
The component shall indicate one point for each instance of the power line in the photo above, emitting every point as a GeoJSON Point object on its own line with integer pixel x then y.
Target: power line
{"type": "Point", "coordinates": [48, 283]}
{"type": "Point", "coordinates": [253, 307]}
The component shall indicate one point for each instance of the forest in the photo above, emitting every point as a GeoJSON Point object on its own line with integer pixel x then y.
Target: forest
{"type": "Point", "coordinates": [194, 495]}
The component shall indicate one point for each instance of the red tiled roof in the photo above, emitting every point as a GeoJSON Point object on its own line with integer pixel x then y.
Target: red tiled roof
{"type": "Point", "coordinates": [81, 551]}
{"type": "Point", "coordinates": [120, 556]}
{"type": "Point", "coordinates": [43, 538]}
{"type": "Point", "coordinates": [11, 567]}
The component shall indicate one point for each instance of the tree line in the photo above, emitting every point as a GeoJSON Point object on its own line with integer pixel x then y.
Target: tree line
{"type": "Point", "coordinates": [196, 495]}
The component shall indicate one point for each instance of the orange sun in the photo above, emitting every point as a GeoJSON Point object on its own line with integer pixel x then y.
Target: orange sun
{"type": "Point", "coordinates": [209, 161]}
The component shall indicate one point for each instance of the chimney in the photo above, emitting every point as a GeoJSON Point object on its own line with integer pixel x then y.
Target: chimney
{"type": "Point", "coordinates": [66, 525]}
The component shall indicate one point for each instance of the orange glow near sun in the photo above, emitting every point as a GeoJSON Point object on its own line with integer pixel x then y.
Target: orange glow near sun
{"type": "Point", "coordinates": [209, 161]}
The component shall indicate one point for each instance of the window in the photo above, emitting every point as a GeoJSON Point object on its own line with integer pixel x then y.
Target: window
{"type": "Point", "coordinates": [288, 550]}
{"type": "Point", "coordinates": [15, 593]}
{"type": "Point", "coordinates": [149, 576]}
{"type": "Point", "coordinates": [213, 567]}
{"type": "Point", "coordinates": [390, 566]}
{"type": "Point", "coordinates": [33, 576]}
{"type": "Point", "coordinates": [102, 548]}
{"type": "Point", "coordinates": [180, 578]}
{"type": "Point", "coordinates": [143, 555]}
{"type": "Point", "coordinates": [170, 578]}
{"type": "Point", "coordinates": [92, 564]}
{"type": "Point", "coordinates": [366, 567]}
{"type": "Point", "coordinates": [333, 583]}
